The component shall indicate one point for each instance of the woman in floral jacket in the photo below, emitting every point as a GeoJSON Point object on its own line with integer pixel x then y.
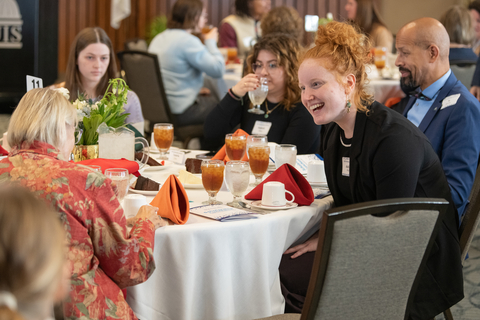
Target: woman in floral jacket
{"type": "Point", "coordinates": [104, 256]}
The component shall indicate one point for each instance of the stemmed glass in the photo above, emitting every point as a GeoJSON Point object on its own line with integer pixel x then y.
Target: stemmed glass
{"type": "Point", "coordinates": [237, 176]}
{"type": "Point", "coordinates": [258, 157]}
{"type": "Point", "coordinates": [258, 95]}
{"type": "Point", "coordinates": [121, 179]}
{"type": "Point", "coordinates": [235, 146]}
{"type": "Point", "coordinates": [380, 59]}
{"type": "Point", "coordinates": [285, 153]}
{"type": "Point", "coordinates": [212, 179]}
{"type": "Point", "coordinates": [256, 139]}
{"type": "Point", "coordinates": [163, 136]}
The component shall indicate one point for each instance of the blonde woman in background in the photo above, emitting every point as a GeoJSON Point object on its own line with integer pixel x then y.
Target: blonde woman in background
{"type": "Point", "coordinates": [365, 14]}
{"type": "Point", "coordinates": [33, 269]}
{"type": "Point", "coordinates": [283, 20]}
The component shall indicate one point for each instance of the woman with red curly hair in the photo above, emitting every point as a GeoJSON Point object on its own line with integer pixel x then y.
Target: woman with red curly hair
{"type": "Point", "coordinates": [371, 153]}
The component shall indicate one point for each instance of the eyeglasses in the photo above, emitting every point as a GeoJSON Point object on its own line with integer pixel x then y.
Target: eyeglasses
{"type": "Point", "coordinates": [271, 67]}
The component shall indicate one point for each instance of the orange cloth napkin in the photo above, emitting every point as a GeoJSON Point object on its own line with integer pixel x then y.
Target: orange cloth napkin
{"type": "Point", "coordinates": [294, 182]}
{"type": "Point", "coordinates": [3, 152]}
{"type": "Point", "coordinates": [172, 201]}
{"type": "Point", "coordinates": [132, 166]}
{"type": "Point", "coordinates": [222, 154]}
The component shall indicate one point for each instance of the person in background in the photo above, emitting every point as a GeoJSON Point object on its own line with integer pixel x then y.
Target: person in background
{"type": "Point", "coordinates": [458, 23]}
{"type": "Point", "coordinates": [91, 63]}
{"type": "Point", "coordinates": [371, 153]}
{"type": "Point", "coordinates": [442, 108]}
{"type": "Point", "coordinates": [241, 30]}
{"type": "Point", "coordinates": [183, 60]}
{"type": "Point", "coordinates": [365, 14]}
{"type": "Point", "coordinates": [104, 256]}
{"type": "Point", "coordinates": [34, 271]}
{"type": "Point", "coordinates": [274, 57]}
{"type": "Point", "coordinates": [474, 9]}
{"type": "Point", "coordinates": [284, 20]}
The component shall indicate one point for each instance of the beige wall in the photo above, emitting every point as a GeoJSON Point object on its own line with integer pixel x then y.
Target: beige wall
{"type": "Point", "coordinates": [397, 13]}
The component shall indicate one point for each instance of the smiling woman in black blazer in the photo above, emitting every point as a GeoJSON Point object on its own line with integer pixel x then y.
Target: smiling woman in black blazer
{"type": "Point", "coordinates": [371, 153]}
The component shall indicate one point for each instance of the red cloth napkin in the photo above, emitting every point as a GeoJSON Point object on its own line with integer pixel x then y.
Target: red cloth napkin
{"type": "Point", "coordinates": [3, 152]}
{"type": "Point", "coordinates": [222, 154]}
{"type": "Point", "coordinates": [132, 166]}
{"type": "Point", "coordinates": [172, 201]}
{"type": "Point", "coordinates": [294, 182]}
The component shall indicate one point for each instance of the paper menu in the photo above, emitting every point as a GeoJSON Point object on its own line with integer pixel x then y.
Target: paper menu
{"type": "Point", "coordinates": [222, 212]}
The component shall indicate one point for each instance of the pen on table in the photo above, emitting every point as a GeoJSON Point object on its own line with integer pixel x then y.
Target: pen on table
{"type": "Point", "coordinates": [272, 159]}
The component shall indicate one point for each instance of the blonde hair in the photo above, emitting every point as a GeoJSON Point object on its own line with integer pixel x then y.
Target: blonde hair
{"type": "Point", "coordinates": [32, 252]}
{"type": "Point", "coordinates": [347, 52]}
{"type": "Point", "coordinates": [41, 115]}
{"type": "Point", "coordinates": [458, 23]}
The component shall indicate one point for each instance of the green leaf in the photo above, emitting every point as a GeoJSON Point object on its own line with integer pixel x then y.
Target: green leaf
{"type": "Point", "coordinates": [143, 260]}
{"type": "Point", "coordinates": [4, 165]}
{"type": "Point", "coordinates": [94, 178]}
{"type": "Point", "coordinates": [83, 309]}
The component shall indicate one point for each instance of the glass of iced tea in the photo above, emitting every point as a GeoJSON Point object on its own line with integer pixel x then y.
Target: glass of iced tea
{"type": "Point", "coordinates": [258, 156]}
{"type": "Point", "coordinates": [121, 179]}
{"type": "Point", "coordinates": [212, 179]}
{"type": "Point", "coordinates": [380, 59]}
{"type": "Point", "coordinates": [163, 136]}
{"type": "Point", "coordinates": [232, 55]}
{"type": "Point", "coordinates": [235, 146]}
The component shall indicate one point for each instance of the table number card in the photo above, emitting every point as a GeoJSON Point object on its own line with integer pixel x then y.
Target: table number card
{"type": "Point", "coordinates": [177, 157]}
{"type": "Point", "coordinates": [34, 83]}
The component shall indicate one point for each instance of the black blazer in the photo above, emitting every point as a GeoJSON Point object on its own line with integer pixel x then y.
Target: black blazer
{"type": "Point", "coordinates": [391, 158]}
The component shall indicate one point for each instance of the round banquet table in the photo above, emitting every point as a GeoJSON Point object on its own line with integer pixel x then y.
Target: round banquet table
{"type": "Point", "coordinates": [207, 269]}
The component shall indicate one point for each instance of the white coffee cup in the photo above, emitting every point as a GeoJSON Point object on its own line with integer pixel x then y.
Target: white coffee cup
{"type": "Point", "coordinates": [274, 194]}
{"type": "Point", "coordinates": [5, 144]}
{"type": "Point", "coordinates": [316, 171]}
{"type": "Point", "coordinates": [132, 203]}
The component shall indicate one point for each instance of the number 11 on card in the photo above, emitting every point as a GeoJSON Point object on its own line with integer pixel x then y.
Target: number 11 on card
{"type": "Point", "coordinates": [34, 83]}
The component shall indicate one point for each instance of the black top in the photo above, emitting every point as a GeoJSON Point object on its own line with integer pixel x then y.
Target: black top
{"type": "Point", "coordinates": [291, 127]}
{"type": "Point", "coordinates": [391, 158]}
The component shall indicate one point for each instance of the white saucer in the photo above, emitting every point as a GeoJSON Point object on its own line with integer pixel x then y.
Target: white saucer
{"type": "Point", "coordinates": [193, 186]}
{"type": "Point", "coordinates": [153, 168]}
{"type": "Point", "coordinates": [152, 150]}
{"type": "Point", "coordinates": [144, 192]}
{"type": "Point", "coordinates": [318, 184]}
{"type": "Point", "coordinates": [258, 204]}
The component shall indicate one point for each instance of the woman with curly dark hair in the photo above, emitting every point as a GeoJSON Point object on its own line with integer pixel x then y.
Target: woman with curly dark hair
{"type": "Point", "coordinates": [371, 153]}
{"type": "Point", "coordinates": [274, 57]}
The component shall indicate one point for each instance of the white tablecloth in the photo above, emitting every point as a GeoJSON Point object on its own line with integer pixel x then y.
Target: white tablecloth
{"type": "Point", "coordinates": [220, 270]}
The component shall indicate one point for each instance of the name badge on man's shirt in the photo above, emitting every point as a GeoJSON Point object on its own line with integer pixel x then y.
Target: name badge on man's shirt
{"type": "Point", "coordinates": [346, 166]}
{"type": "Point", "coordinates": [261, 127]}
{"type": "Point", "coordinates": [450, 100]}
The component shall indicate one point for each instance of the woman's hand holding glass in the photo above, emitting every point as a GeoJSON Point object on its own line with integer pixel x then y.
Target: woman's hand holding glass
{"type": "Point", "coordinates": [248, 83]}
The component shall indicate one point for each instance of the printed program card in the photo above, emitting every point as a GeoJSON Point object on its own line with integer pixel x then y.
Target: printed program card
{"type": "Point", "coordinates": [222, 212]}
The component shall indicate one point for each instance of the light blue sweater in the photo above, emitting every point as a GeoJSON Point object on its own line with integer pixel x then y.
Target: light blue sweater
{"type": "Point", "coordinates": [183, 60]}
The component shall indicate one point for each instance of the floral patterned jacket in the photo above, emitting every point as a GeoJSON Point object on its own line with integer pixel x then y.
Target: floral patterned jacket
{"type": "Point", "coordinates": [104, 257]}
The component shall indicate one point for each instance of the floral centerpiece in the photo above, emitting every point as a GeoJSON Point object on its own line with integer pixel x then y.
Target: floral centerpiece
{"type": "Point", "coordinates": [91, 113]}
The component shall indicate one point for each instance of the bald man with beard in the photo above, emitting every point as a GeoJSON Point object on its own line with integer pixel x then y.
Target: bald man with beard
{"type": "Point", "coordinates": [445, 111]}
{"type": "Point", "coordinates": [442, 107]}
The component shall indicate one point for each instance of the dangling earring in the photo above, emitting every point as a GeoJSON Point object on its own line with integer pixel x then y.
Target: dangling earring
{"type": "Point", "coordinates": [348, 105]}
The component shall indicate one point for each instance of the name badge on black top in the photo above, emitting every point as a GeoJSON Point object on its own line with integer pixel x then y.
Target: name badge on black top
{"type": "Point", "coordinates": [346, 166]}
{"type": "Point", "coordinates": [261, 127]}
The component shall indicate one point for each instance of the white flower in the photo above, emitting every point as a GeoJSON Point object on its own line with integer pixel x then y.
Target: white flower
{"type": "Point", "coordinates": [95, 105]}
{"type": "Point", "coordinates": [64, 92]}
{"type": "Point", "coordinates": [330, 16]}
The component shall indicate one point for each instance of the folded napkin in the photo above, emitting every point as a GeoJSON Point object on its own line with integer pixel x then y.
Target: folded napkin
{"type": "Point", "coordinates": [222, 154]}
{"type": "Point", "coordinates": [294, 182]}
{"type": "Point", "coordinates": [172, 201]}
{"type": "Point", "coordinates": [132, 166]}
{"type": "Point", "coordinates": [3, 152]}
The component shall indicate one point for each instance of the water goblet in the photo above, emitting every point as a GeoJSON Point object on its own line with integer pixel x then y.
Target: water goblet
{"type": "Point", "coordinates": [259, 156]}
{"type": "Point", "coordinates": [237, 176]}
{"type": "Point", "coordinates": [212, 179]}
{"type": "Point", "coordinates": [95, 168]}
{"type": "Point", "coordinates": [285, 153]}
{"type": "Point", "coordinates": [235, 146]}
{"type": "Point", "coordinates": [163, 136]}
{"type": "Point", "coordinates": [121, 179]}
{"type": "Point", "coordinates": [257, 96]}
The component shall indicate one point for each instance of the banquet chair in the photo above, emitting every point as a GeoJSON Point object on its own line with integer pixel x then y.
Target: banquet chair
{"type": "Point", "coordinates": [362, 267]}
{"type": "Point", "coordinates": [469, 224]}
{"type": "Point", "coordinates": [143, 75]}
{"type": "Point", "coordinates": [463, 71]}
